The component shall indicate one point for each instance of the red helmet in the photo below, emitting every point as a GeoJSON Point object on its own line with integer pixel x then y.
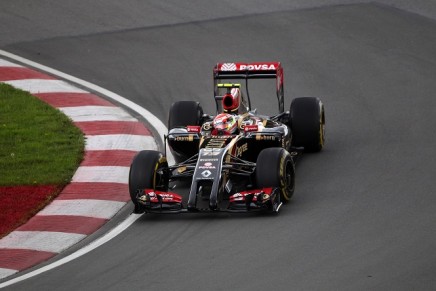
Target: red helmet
{"type": "Point", "coordinates": [225, 123]}
{"type": "Point", "coordinates": [232, 100]}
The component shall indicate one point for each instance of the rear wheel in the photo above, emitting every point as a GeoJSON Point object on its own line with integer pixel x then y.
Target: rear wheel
{"type": "Point", "coordinates": [146, 173]}
{"type": "Point", "coordinates": [275, 168]}
{"type": "Point", "coordinates": [308, 123]}
{"type": "Point", "coordinates": [183, 113]}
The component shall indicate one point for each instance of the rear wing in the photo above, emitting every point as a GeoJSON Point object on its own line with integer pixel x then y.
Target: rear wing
{"type": "Point", "coordinates": [268, 70]}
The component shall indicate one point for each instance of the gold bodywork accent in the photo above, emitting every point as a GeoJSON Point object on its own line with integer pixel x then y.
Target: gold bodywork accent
{"type": "Point", "coordinates": [215, 143]}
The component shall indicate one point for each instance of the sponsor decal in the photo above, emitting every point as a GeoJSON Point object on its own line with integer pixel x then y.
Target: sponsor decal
{"type": "Point", "coordinates": [285, 143]}
{"type": "Point", "coordinates": [250, 67]}
{"type": "Point", "coordinates": [248, 128]}
{"type": "Point", "coordinates": [207, 165]}
{"type": "Point", "coordinates": [238, 197]}
{"type": "Point", "coordinates": [184, 138]}
{"type": "Point", "coordinates": [228, 67]}
{"type": "Point", "coordinates": [193, 128]}
{"type": "Point", "coordinates": [206, 126]}
{"type": "Point", "coordinates": [265, 137]}
{"type": "Point", "coordinates": [240, 150]}
{"type": "Point", "coordinates": [241, 196]}
{"type": "Point", "coordinates": [257, 67]}
{"type": "Point", "coordinates": [166, 197]}
{"type": "Point", "coordinates": [206, 173]}
{"type": "Point", "coordinates": [208, 160]}
{"type": "Point", "coordinates": [211, 153]}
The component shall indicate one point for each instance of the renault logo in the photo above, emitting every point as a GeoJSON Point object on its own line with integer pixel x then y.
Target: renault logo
{"type": "Point", "coordinates": [206, 173]}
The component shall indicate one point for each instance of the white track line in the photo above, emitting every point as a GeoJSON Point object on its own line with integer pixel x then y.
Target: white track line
{"type": "Point", "coordinates": [5, 63]}
{"type": "Point", "coordinates": [95, 244]}
{"type": "Point", "coordinates": [147, 115]}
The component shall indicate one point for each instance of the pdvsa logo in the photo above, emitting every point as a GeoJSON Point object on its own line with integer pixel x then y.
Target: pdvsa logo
{"type": "Point", "coordinates": [228, 67]}
{"type": "Point", "coordinates": [257, 67]}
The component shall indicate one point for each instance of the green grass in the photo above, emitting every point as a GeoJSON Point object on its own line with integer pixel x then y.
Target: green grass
{"type": "Point", "coordinates": [39, 145]}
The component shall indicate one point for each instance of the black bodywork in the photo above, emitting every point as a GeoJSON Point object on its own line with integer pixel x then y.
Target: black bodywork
{"type": "Point", "coordinates": [224, 169]}
{"type": "Point", "coordinates": [221, 166]}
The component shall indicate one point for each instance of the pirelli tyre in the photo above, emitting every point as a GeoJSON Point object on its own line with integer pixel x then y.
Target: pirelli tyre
{"type": "Point", "coordinates": [183, 113]}
{"type": "Point", "coordinates": [275, 168]}
{"type": "Point", "coordinates": [307, 122]}
{"type": "Point", "coordinates": [146, 172]}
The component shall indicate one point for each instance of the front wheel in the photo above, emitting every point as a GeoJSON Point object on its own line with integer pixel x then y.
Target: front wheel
{"type": "Point", "coordinates": [147, 171]}
{"type": "Point", "coordinates": [275, 168]}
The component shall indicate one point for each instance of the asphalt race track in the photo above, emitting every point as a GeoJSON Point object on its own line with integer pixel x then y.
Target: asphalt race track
{"type": "Point", "coordinates": [364, 211]}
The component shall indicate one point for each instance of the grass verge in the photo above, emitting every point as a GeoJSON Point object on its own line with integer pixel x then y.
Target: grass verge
{"type": "Point", "coordinates": [39, 146]}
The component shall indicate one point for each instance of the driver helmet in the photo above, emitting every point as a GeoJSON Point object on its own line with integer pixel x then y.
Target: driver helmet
{"type": "Point", "coordinates": [232, 100]}
{"type": "Point", "coordinates": [225, 123]}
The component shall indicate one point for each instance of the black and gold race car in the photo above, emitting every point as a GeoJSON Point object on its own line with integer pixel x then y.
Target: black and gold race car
{"type": "Point", "coordinates": [236, 160]}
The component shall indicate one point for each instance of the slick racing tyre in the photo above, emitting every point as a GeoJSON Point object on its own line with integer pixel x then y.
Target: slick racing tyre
{"type": "Point", "coordinates": [183, 113]}
{"type": "Point", "coordinates": [275, 168]}
{"type": "Point", "coordinates": [146, 173]}
{"type": "Point", "coordinates": [307, 123]}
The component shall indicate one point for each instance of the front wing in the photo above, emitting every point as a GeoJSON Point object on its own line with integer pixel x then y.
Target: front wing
{"type": "Point", "coordinates": [265, 199]}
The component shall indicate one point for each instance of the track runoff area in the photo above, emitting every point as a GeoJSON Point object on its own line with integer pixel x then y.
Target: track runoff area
{"type": "Point", "coordinates": [113, 137]}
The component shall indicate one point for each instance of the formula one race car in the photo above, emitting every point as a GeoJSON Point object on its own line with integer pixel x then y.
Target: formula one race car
{"type": "Point", "coordinates": [236, 160]}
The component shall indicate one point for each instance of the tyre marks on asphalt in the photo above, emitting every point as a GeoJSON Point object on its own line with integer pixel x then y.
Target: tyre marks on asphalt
{"type": "Point", "coordinates": [99, 187]}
